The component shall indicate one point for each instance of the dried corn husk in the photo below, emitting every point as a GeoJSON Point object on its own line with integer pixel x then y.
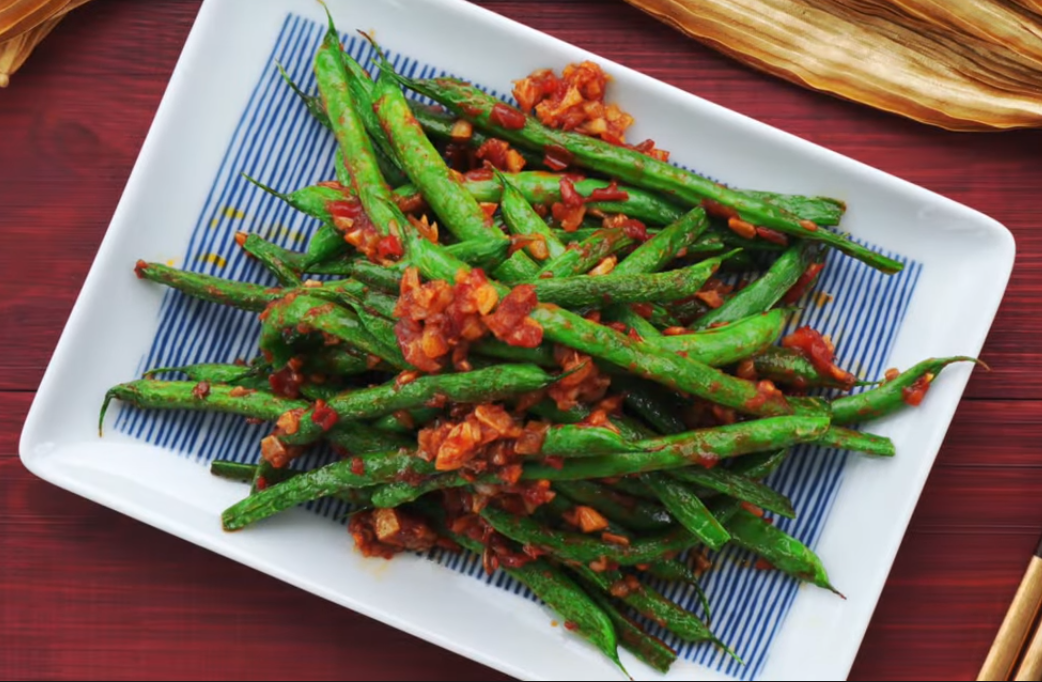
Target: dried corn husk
{"type": "Point", "coordinates": [961, 65]}
{"type": "Point", "coordinates": [23, 24]}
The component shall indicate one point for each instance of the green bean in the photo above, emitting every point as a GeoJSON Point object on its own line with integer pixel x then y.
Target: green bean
{"type": "Point", "coordinates": [759, 466]}
{"type": "Point", "coordinates": [438, 124]}
{"type": "Point", "coordinates": [890, 397]}
{"type": "Point", "coordinates": [517, 269]}
{"type": "Point", "coordinates": [583, 290]}
{"type": "Point", "coordinates": [244, 473]}
{"type": "Point", "coordinates": [551, 585]}
{"type": "Point", "coordinates": [782, 551]}
{"type": "Point", "coordinates": [217, 373]}
{"type": "Point", "coordinates": [241, 295]}
{"type": "Point", "coordinates": [335, 362]}
{"type": "Point", "coordinates": [583, 441]}
{"type": "Point", "coordinates": [685, 506]}
{"type": "Point", "coordinates": [268, 256]}
{"type": "Point", "coordinates": [739, 487]}
{"type": "Point", "coordinates": [672, 570]}
{"type": "Point", "coordinates": [361, 90]}
{"type": "Point", "coordinates": [585, 549]}
{"type": "Point", "coordinates": [318, 315]}
{"type": "Point", "coordinates": [393, 423]}
{"type": "Point", "coordinates": [649, 603]}
{"type": "Point", "coordinates": [650, 404]}
{"type": "Point", "coordinates": [761, 295]}
{"type": "Point", "coordinates": [380, 328]}
{"type": "Point", "coordinates": [355, 144]}
{"type": "Point", "coordinates": [483, 385]}
{"type": "Point", "coordinates": [632, 485]}
{"type": "Point", "coordinates": [722, 346]}
{"type": "Point", "coordinates": [651, 650]}
{"type": "Point", "coordinates": [788, 367]}
{"type": "Point", "coordinates": [580, 258]}
{"type": "Point", "coordinates": [233, 471]}
{"type": "Point", "coordinates": [313, 103]}
{"type": "Point", "coordinates": [329, 480]}
{"type": "Point", "coordinates": [629, 512]}
{"type": "Point", "coordinates": [629, 317]}
{"type": "Point", "coordinates": [522, 219]}
{"type": "Point", "coordinates": [189, 395]}
{"type": "Point", "coordinates": [364, 299]}
{"type": "Point", "coordinates": [458, 210]}
{"type": "Point", "coordinates": [541, 355]}
{"type": "Point", "coordinates": [820, 210]}
{"type": "Point", "coordinates": [641, 358]}
{"type": "Point", "coordinates": [387, 280]}
{"type": "Point", "coordinates": [654, 254]}
{"type": "Point", "coordinates": [357, 438]}
{"type": "Point", "coordinates": [391, 495]}
{"type": "Point", "coordinates": [857, 441]}
{"type": "Point", "coordinates": [635, 168]}
{"type": "Point", "coordinates": [629, 429]}
{"type": "Point", "coordinates": [693, 447]}
{"type": "Point", "coordinates": [314, 201]}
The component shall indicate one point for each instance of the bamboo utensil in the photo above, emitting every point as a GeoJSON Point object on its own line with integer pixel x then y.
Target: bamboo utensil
{"type": "Point", "coordinates": [1013, 634]}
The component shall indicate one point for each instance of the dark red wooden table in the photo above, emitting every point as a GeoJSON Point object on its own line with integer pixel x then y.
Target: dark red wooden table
{"type": "Point", "coordinates": [88, 593]}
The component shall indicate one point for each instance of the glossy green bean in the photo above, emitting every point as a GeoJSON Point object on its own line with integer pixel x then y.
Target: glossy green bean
{"type": "Point", "coordinates": [495, 383]}
{"type": "Point", "coordinates": [190, 395]}
{"type": "Point", "coordinates": [599, 290]}
{"type": "Point", "coordinates": [632, 637]}
{"type": "Point", "coordinates": [580, 258]}
{"type": "Point", "coordinates": [630, 512]}
{"type": "Point", "coordinates": [857, 441]}
{"type": "Point", "coordinates": [585, 549]}
{"type": "Point", "coordinates": [644, 360]}
{"type": "Point", "coordinates": [654, 254]}
{"type": "Point", "coordinates": [766, 291]}
{"type": "Point", "coordinates": [268, 255]}
{"type": "Point", "coordinates": [564, 440]}
{"type": "Point", "coordinates": [438, 124]}
{"type": "Point", "coordinates": [889, 397]}
{"type": "Point", "coordinates": [686, 508]}
{"type": "Point", "coordinates": [521, 219]}
{"type": "Point", "coordinates": [726, 345]}
{"type": "Point", "coordinates": [788, 367]}
{"type": "Point", "coordinates": [737, 486]}
{"type": "Point", "coordinates": [241, 295]}
{"type": "Point", "coordinates": [356, 146]}
{"type": "Point", "coordinates": [319, 315]}
{"type": "Point", "coordinates": [329, 480]}
{"type": "Point", "coordinates": [459, 212]}
{"type": "Point", "coordinates": [782, 551]}
{"type": "Point", "coordinates": [649, 603]}
{"type": "Point", "coordinates": [693, 447]}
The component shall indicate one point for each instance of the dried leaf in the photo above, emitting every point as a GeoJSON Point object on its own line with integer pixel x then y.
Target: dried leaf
{"type": "Point", "coordinates": [17, 42]}
{"type": "Point", "coordinates": [959, 65]}
{"type": "Point", "coordinates": [20, 16]}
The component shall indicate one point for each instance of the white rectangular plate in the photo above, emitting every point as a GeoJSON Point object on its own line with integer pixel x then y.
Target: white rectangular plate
{"type": "Point", "coordinates": [226, 112]}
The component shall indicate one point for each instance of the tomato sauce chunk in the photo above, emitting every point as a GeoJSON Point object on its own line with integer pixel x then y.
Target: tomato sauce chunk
{"type": "Point", "coordinates": [820, 351]}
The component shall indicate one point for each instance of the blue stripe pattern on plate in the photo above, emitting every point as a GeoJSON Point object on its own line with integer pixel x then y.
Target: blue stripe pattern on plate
{"type": "Point", "coordinates": [277, 142]}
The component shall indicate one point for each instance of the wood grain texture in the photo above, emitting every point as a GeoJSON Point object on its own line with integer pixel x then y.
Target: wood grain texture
{"type": "Point", "coordinates": [88, 593]}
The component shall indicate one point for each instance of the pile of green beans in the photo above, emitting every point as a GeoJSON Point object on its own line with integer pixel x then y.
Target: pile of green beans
{"type": "Point", "coordinates": [693, 417]}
